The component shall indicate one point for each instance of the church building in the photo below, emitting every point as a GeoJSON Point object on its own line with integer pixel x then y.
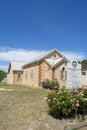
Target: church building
{"type": "Point", "coordinates": [50, 65]}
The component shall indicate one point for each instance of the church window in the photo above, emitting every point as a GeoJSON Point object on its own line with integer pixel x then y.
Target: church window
{"type": "Point", "coordinates": [26, 75]}
{"type": "Point", "coordinates": [54, 55]}
{"type": "Point", "coordinates": [83, 73]}
{"type": "Point", "coordinates": [19, 77]}
{"type": "Point", "coordinates": [32, 73]}
{"type": "Point", "coordinates": [63, 74]}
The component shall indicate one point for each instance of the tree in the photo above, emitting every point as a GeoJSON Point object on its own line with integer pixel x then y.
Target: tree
{"type": "Point", "coordinates": [84, 64]}
{"type": "Point", "coordinates": [3, 74]}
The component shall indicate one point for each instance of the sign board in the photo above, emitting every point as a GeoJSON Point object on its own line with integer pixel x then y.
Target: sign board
{"type": "Point", "coordinates": [74, 75]}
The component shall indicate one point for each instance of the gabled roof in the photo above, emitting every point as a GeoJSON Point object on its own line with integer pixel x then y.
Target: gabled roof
{"type": "Point", "coordinates": [43, 56]}
{"type": "Point", "coordinates": [53, 62]}
{"type": "Point", "coordinates": [16, 66]}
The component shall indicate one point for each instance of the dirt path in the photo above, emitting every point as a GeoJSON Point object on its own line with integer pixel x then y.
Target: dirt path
{"type": "Point", "coordinates": [4, 89]}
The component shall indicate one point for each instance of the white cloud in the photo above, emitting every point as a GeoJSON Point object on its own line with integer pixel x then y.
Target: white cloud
{"type": "Point", "coordinates": [73, 55]}
{"type": "Point", "coordinates": [19, 54]}
{"type": "Point", "coordinates": [10, 54]}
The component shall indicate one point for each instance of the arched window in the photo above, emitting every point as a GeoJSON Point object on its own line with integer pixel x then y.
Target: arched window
{"type": "Point", "coordinates": [19, 77]}
{"type": "Point", "coordinates": [26, 75]}
{"type": "Point", "coordinates": [63, 74]}
{"type": "Point", "coordinates": [32, 73]}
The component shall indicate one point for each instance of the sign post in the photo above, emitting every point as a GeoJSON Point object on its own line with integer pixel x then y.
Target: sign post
{"type": "Point", "coordinates": [74, 75]}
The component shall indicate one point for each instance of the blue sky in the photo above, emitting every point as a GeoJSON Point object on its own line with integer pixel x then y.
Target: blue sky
{"type": "Point", "coordinates": [36, 26]}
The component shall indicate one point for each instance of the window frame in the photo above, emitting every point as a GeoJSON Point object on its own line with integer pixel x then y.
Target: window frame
{"type": "Point", "coordinates": [83, 73]}
{"type": "Point", "coordinates": [19, 76]}
{"type": "Point", "coordinates": [63, 73]}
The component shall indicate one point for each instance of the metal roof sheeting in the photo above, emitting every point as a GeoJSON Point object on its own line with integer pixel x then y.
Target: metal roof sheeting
{"type": "Point", "coordinates": [17, 65]}
{"type": "Point", "coordinates": [53, 62]}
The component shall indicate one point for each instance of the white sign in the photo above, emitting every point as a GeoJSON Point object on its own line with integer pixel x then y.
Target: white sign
{"type": "Point", "coordinates": [74, 75]}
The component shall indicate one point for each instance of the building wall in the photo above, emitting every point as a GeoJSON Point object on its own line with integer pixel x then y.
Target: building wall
{"type": "Point", "coordinates": [15, 77]}
{"type": "Point", "coordinates": [84, 78]}
{"type": "Point", "coordinates": [10, 79]}
{"type": "Point", "coordinates": [46, 70]}
{"type": "Point", "coordinates": [62, 82]}
{"type": "Point", "coordinates": [42, 71]}
{"type": "Point", "coordinates": [54, 53]}
{"type": "Point", "coordinates": [47, 73]}
{"type": "Point", "coordinates": [31, 76]}
{"type": "Point", "coordinates": [34, 74]}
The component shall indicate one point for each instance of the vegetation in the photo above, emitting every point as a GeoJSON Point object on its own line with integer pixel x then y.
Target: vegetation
{"type": "Point", "coordinates": [25, 108]}
{"type": "Point", "coordinates": [52, 85]}
{"type": "Point", "coordinates": [21, 107]}
{"type": "Point", "coordinates": [3, 74]}
{"type": "Point", "coordinates": [63, 103]}
{"type": "Point", "coordinates": [84, 64]}
{"type": "Point", "coordinates": [85, 93]}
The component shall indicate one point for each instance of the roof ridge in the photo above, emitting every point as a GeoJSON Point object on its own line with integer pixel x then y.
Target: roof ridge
{"type": "Point", "coordinates": [41, 56]}
{"type": "Point", "coordinates": [44, 55]}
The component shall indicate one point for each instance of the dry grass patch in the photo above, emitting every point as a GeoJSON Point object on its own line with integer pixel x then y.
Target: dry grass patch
{"type": "Point", "coordinates": [24, 108]}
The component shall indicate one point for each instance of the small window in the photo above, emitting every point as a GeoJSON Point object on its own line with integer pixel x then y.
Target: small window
{"type": "Point", "coordinates": [32, 73]}
{"type": "Point", "coordinates": [26, 75]}
{"type": "Point", "coordinates": [83, 73]}
{"type": "Point", "coordinates": [54, 55]}
{"type": "Point", "coordinates": [63, 74]}
{"type": "Point", "coordinates": [19, 77]}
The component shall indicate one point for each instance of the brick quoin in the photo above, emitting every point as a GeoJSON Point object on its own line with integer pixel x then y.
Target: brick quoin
{"type": "Point", "coordinates": [53, 74]}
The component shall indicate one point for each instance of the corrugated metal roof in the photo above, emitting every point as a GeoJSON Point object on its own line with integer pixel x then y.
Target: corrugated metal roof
{"type": "Point", "coordinates": [17, 65]}
{"type": "Point", "coordinates": [53, 62]}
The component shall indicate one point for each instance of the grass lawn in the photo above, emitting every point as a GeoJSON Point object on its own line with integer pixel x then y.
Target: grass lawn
{"type": "Point", "coordinates": [24, 108]}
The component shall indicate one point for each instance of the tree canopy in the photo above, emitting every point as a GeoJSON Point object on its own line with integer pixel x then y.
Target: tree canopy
{"type": "Point", "coordinates": [84, 64]}
{"type": "Point", "coordinates": [3, 74]}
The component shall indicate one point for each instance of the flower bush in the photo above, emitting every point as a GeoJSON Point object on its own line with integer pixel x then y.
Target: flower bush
{"type": "Point", "coordinates": [85, 93]}
{"type": "Point", "coordinates": [63, 103]}
{"type": "Point", "coordinates": [53, 85]}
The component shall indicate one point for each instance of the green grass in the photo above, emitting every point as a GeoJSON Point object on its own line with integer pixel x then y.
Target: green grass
{"type": "Point", "coordinates": [73, 129]}
{"type": "Point", "coordinates": [8, 86]}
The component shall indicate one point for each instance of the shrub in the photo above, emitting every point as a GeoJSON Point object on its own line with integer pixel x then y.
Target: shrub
{"type": "Point", "coordinates": [85, 93]}
{"type": "Point", "coordinates": [65, 104]}
{"type": "Point", "coordinates": [53, 85]}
